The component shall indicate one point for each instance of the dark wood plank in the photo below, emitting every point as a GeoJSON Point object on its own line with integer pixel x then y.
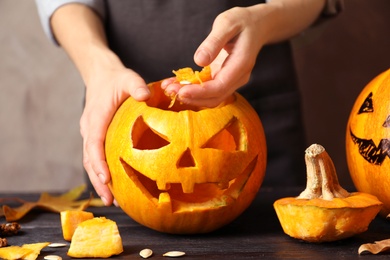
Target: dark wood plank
{"type": "Point", "coordinates": [255, 234]}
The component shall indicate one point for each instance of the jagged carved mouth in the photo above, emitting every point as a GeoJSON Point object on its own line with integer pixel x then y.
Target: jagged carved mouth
{"type": "Point", "coordinates": [204, 195]}
{"type": "Point", "coordinates": [369, 151]}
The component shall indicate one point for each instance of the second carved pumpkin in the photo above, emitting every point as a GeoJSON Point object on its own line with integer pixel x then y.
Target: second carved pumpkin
{"type": "Point", "coordinates": [368, 140]}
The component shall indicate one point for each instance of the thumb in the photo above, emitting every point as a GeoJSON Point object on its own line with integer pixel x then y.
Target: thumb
{"type": "Point", "coordinates": [138, 88]}
{"type": "Point", "coordinates": [141, 93]}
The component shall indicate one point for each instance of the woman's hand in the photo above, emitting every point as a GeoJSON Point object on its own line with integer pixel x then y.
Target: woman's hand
{"type": "Point", "coordinates": [108, 83]}
{"type": "Point", "coordinates": [231, 50]}
{"type": "Point", "coordinates": [232, 47]}
{"type": "Point", "coordinates": [105, 93]}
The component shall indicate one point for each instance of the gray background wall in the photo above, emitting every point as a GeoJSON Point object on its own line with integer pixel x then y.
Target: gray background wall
{"type": "Point", "coordinates": [41, 93]}
{"type": "Point", "coordinates": [40, 105]}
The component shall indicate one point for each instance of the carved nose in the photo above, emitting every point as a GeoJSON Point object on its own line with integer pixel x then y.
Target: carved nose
{"type": "Point", "coordinates": [186, 159]}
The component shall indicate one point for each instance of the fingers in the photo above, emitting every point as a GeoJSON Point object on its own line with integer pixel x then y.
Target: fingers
{"type": "Point", "coordinates": [211, 93]}
{"type": "Point", "coordinates": [97, 181]}
{"type": "Point", "coordinates": [102, 101]}
{"type": "Point", "coordinates": [231, 50]}
{"type": "Point", "coordinates": [93, 156]}
{"type": "Point", "coordinates": [224, 31]}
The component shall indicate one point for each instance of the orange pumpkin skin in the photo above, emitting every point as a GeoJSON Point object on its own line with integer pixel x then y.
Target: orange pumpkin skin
{"type": "Point", "coordinates": [319, 220]}
{"type": "Point", "coordinates": [368, 140]}
{"type": "Point", "coordinates": [185, 170]}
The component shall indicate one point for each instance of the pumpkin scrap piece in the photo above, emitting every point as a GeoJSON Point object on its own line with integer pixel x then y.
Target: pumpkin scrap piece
{"type": "Point", "coordinates": [70, 219]}
{"type": "Point", "coordinates": [27, 251]}
{"type": "Point", "coordinates": [51, 203]}
{"type": "Point", "coordinates": [375, 248]}
{"type": "Point", "coordinates": [324, 211]}
{"type": "Point", "coordinates": [97, 237]}
{"type": "Point", "coordinates": [187, 75]}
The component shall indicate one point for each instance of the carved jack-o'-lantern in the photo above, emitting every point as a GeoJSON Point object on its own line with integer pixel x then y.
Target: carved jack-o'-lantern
{"type": "Point", "coordinates": [368, 140]}
{"type": "Point", "coordinates": [184, 169]}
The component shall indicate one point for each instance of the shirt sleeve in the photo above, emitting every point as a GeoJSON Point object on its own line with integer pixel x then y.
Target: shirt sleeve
{"type": "Point", "coordinates": [46, 9]}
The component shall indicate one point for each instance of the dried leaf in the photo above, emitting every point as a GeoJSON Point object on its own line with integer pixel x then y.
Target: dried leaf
{"type": "Point", "coordinates": [376, 247]}
{"type": "Point", "coordinates": [14, 252]}
{"type": "Point", "coordinates": [66, 201]}
{"type": "Point", "coordinates": [26, 252]}
{"type": "Point", "coordinates": [35, 250]}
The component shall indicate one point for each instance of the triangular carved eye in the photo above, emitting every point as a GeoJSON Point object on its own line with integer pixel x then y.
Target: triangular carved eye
{"type": "Point", "coordinates": [387, 122]}
{"type": "Point", "coordinates": [145, 138]}
{"type": "Point", "coordinates": [367, 106]}
{"type": "Point", "coordinates": [230, 138]}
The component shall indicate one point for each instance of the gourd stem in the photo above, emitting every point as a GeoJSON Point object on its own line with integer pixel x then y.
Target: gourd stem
{"type": "Point", "coordinates": [322, 181]}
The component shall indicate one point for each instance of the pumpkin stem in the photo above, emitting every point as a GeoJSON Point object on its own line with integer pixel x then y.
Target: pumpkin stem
{"type": "Point", "coordinates": [322, 181]}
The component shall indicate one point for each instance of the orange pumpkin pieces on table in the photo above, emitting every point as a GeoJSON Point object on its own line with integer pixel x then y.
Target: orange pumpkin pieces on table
{"type": "Point", "coordinates": [70, 219]}
{"type": "Point", "coordinates": [183, 169]}
{"type": "Point", "coordinates": [368, 140]}
{"type": "Point", "coordinates": [98, 237]}
{"type": "Point", "coordinates": [325, 211]}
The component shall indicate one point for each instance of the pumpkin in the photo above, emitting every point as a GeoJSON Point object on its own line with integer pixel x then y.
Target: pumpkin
{"type": "Point", "coordinates": [182, 169]}
{"type": "Point", "coordinates": [97, 237]}
{"type": "Point", "coordinates": [70, 219]}
{"type": "Point", "coordinates": [368, 140]}
{"type": "Point", "coordinates": [325, 211]}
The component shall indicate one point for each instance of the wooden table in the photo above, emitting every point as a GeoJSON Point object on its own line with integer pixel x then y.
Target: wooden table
{"type": "Point", "coordinates": [256, 234]}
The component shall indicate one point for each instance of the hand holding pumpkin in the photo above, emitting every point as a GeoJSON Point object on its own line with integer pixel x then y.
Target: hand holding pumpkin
{"type": "Point", "coordinates": [106, 91]}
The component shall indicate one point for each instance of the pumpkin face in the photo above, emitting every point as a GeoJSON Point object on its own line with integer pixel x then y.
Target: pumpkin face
{"type": "Point", "coordinates": [368, 140]}
{"type": "Point", "coordinates": [185, 169]}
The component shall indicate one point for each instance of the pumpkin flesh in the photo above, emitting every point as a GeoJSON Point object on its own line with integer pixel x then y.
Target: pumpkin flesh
{"type": "Point", "coordinates": [98, 238]}
{"type": "Point", "coordinates": [70, 219]}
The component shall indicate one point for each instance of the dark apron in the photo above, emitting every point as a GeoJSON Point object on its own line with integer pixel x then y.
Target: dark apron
{"type": "Point", "coordinates": [153, 37]}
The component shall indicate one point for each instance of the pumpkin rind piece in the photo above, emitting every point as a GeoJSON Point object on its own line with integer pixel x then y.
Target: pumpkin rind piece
{"type": "Point", "coordinates": [70, 219]}
{"type": "Point", "coordinates": [98, 237]}
{"type": "Point", "coordinates": [324, 211]}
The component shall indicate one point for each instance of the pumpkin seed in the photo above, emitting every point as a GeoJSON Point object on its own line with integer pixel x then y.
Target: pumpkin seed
{"type": "Point", "coordinates": [146, 253]}
{"type": "Point", "coordinates": [174, 254]}
{"type": "Point", "coordinates": [57, 245]}
{"type": "Point", "coordinates": [53, 257]}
